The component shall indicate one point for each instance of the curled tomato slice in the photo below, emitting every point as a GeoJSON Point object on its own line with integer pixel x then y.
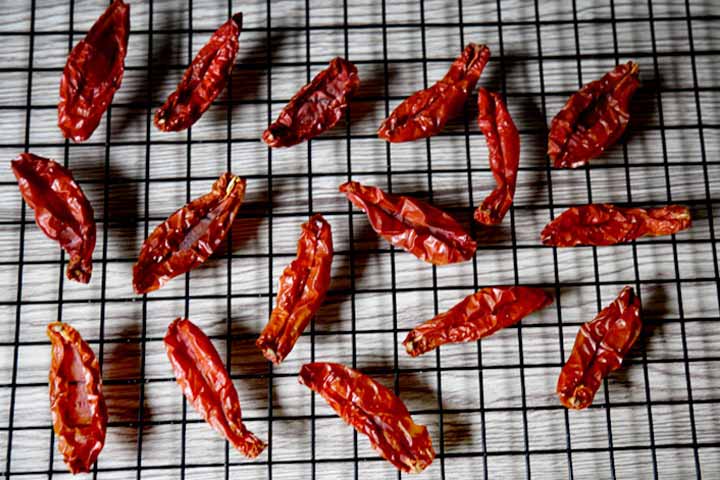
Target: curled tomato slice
{"type": "Point", "coordinates": [189, 236]}
{"type": "Point", "coordinates": [604, 224]}
{"type": "Point", "coordinates": [93, 73]}
{"type": "Point", "coordinates": [204, 79]}
{"type": "Point", "coordinates": [503, 141]}
{"type": "Point", "coordinates": [202, 376]}
{"type": "Point", "coordinates": [374, 410]}
{"type": "Point", "coordinates": [593, 119]}
{"type": "Point", "coordinates": [301, 291]}
{"type": "Point", "coordinates": [76, 400]}
{"type": "Point", "coordinates": [316, 107]}
{"type": "Point", "coordinates": [62, 211]}
{"type": "Point", "coordinates": [478, 316]}
{"type": "Point", "coordinates": [600, 347]}
{"type": "Point", "coordinates": [425, 112]}
{"type": "Point", "coordinates": [413, 225]}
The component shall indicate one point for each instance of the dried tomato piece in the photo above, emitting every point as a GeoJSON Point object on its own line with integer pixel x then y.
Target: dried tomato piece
{"type": "Point", "coordinates": [425, 112]}
{"type": "Point", "coordinates": [374, 410]}
{"type": "Point", "coordinates": [603, 224]}
{"type": "Point", "coordinates": [503, 143]}
{"type": "Point", "coordinates": [62, 211]}
{"type": "Point", "coordinates": [316, 107]}
{"type": "Point", "coordinates": [593, 119]}
{"type": "Point", "coordinates": [301, 290]}
{"type": "Point", "coordinates": [413, 225]}
{"type": "Point", "coordinates": [478, 316]}
{"type": "Point", "coordinates": [93, 73]}
{"type": "Point", "coordinates": [76, 399]}
{"type": "Point", "coordinates": [600, 347]}
{"type": "Point", "coordinates": [203, 80]}
{"type": "Point", "coordinates": [189, 236]}
{"type": "Point", "coordinates": [202, 376]}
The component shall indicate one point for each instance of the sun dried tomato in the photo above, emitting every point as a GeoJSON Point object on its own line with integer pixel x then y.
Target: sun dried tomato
{"type": "Point", "coordinates": [600, 347]}
{"type": "Point", "coordinates": [425, 112]}
{"type": "Point", "coordinates": [301, 290]}
{"type": "Point", "coordinates": [374, 410]}
{"type": "Point", "coordinates": [189, 236]}
{"type": "Point", "coordinates": [413, 225]}
{"type": "Point", "coordinates": [478, 316]}
{"type": "Point", "coordinates": [93, 73]}
{"type": "Point", "coordinates": [593, 119]}
{"type": "Point", "coordinates": [62, 211]}
{"type": "Point", "coordinates": [316, 107]}
{"type": "Point", "coordinates": [603, 224]}
{"type": "Point", "coordinates": [206, 384]}
{"type": "Point", "coordinates": [503, 143]}
{"type": "Point", "coordinates": [76, 399]}
{"type": "Point", "coordinates": [203, 80]}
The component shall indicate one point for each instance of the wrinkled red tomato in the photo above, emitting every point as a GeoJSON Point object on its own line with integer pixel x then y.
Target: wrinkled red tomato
{"type": "Point", "coordinates": [76, 398]}
{"type": "Point", "coordinates": [203, 80]}
{"type": "Point", "coordinates": [425, 231]}
{"type": "Point", "coordinates": [189, 236]}
{"type": "Point", "coordinates": [62, 211]}
{"type": "Point", "coordinates": [425, 112]}
{"type": "Point", "coordinates": [600, 347]}
{"type": "Point", "coordinates": [93, 73]}
{"type": "Point", "coordinates": [316, 107]}
{"type": "Point", "coordinates": [204, 380]}
{"type": "Point", "coordinates": [301, 290]}
{"type": "Point", "coordinates": [374, 410]}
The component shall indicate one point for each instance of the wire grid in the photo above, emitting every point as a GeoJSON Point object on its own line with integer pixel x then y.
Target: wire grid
{"type": "Point", "coordinates": [490, 406]}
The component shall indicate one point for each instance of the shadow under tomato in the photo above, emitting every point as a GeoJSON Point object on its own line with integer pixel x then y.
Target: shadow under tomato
{"type": "Point", "coordinates": [248, 76]}
{"type": "Point", "coordinates": [345, 268]}
{"type": "Point", "coordinates": [247, 360]}
{"type": "Point", "coordinates": [164, 46]}
{"type": "Point", "coordinates": [245, 228]}
{"type": "Point", "coordinates": [122, 377]}
{"type": "Point", "coordinates": [125, 227]}
{"type": "Point", "coordinates": [123, 203]}
{"type": "Point", "coordinates": [418, 393]}
{"type": "Point", "coordinates": [371, 87]}
{"type": "Point", "coordinates": [536, 178]}
{"type": "Point", "coordinates": [643, 109]}
{"type": "Point", "coordinates": [655, 302]}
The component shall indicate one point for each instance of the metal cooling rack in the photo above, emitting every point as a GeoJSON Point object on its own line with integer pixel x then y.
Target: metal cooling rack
{"type": "Point", "coordinates": [490, 406]}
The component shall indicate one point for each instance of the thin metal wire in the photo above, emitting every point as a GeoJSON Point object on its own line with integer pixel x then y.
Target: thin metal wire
{"type": "Point", "coordinates": [428, 153]}
{"type": "Point", "coordinates": [146, 230]}
{"type": "Point", "coordinates": [228, 254]}
{"type": "Point", "coordinates": [706, 180]}
{"type": "Point", "coordinates": [473, 230]}
{"type": "Point", "coordinates": [432, 411]}
{"type": "Point", "coordinates": [556, 267]}
{"type": "Point", "coordinates": [103, 280]}
{"type": "Point", "coordinates": [188, 188]}
{"type": "Point", "coordinates": [516, 270]}
{"type": "Point", "coordinates": [480, 449]}
{"type": "Point", "coordinates": [139, 104]}
{"type": "Point", "coordinates": [21, 254]}
{"type": "Point", "coordinates": [596, 267]}
{"type": "Point", "coordinates": [313, 433]}
{"type": "Point", "coordinates": [404, 370]}
{"type": "Point", "coordinates": [331, 213]}
{"type": "Point", "coordinates": [636, 270]}
{"type": "Point", "coordinates": [393, 277]}
{"type": "Point", "coordinates": [351, 243]}
{"type": "Point", "coordinates": [61, 279]}
{"type": "Point", "coordinates": [395, 25]}
{"type": "Point", "coordinates": [270, 399]}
